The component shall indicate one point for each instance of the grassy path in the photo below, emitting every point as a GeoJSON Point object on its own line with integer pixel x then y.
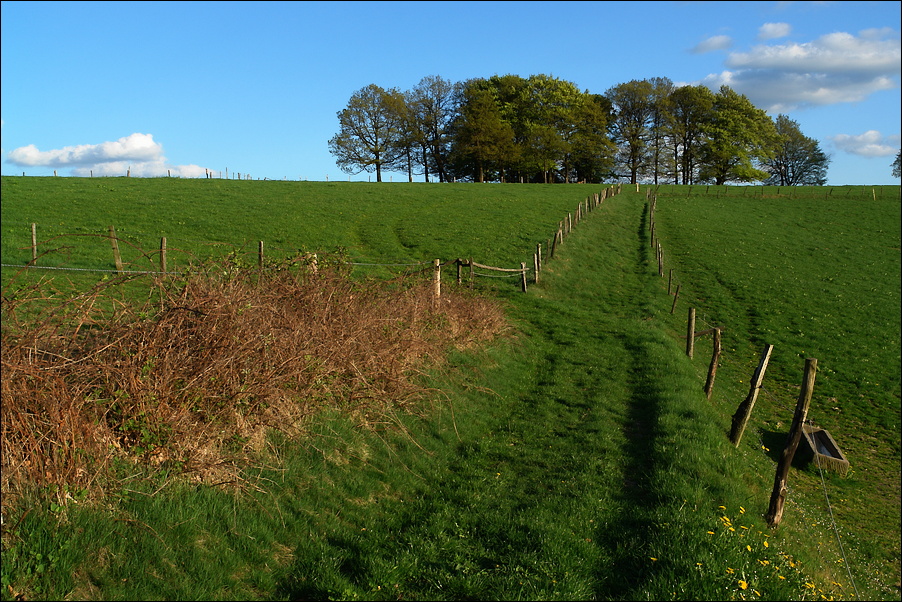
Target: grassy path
{"type": "Point", "coordinates": [556, 494]}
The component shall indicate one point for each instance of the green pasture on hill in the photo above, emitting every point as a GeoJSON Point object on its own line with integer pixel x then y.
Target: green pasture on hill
{"type": "Point", "coordinates": [377, 223]}
{"type": "Point", "coordinates": [578, 459]}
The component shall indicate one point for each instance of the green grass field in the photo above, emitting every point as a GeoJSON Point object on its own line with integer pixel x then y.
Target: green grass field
{"type": "Point", "coordinates": [575, 458]}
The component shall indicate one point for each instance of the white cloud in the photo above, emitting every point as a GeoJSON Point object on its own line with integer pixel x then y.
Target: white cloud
{"type": "Point", "coordinates": [713, 43]}
{"type": "Point", "coordinates": [837, 52]}
{"type": "Point", "coordinates": [771, 31]}
{"type": "Point", "coordinates": [137, 154]}
{"type": "Point", "coordinates": [870, 144]}
{"type": "Point", "coordinates": [835, 68]}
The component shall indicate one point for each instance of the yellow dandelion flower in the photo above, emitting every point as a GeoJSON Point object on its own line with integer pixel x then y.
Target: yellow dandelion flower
{"type": "Point", "coordinates": [732, 529]}
{"type": "Point", "coordinates": [653, 559]}
{"type": "Point", "coordinates": [766, 545]}
{"type": "Point", "coordinates": [741, 510]}
{"type": "Point", "coordinates": [782, 577]}
{"type": "Point", "coordinates": [743, 584]}
{"type": "Point", "coordinates": [710, 532]}
{"type": "Point", "coordinates": [730, 571]}
{"type": "Point", "coordinates": [722, 507]}
{"type": "Point", "coordinates": [809, 585]}
{"type": "Point", "coordinates": [743, 527]}
{"type": "Point", "coordinates": [749, 548]}
{"type": "Point", "coordinates": [764, 562]}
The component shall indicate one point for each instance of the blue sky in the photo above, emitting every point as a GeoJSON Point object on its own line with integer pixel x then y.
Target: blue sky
{"type": "Point", "coordinates": [254, 87]}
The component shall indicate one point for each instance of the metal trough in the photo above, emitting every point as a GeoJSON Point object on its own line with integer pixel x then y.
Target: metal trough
{"type": "Point", "coordinates": [825, 450]}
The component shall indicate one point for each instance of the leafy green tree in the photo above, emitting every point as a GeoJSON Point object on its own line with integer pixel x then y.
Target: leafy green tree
{"type": "Point", "coordinates": [797, 160]}
{"type": "Point", "coordinates": [633, 105]}
{"type": "Point", "coordinates": [689, 111]}
{"type": "Point", "coordinates": [591, 150]}
{"type": "Point", "coordinates": [371, 131]}
{"type": "Point", "coordinates": [511, 95]}
{"type": "Point", "coordinates": [897, 165]}
{"type": "Point", "coordinates": [483, 141]}
{"type": "Point", "coordinates": [550, 111]}
{"type": "Point", "coordinates": [738, 136]}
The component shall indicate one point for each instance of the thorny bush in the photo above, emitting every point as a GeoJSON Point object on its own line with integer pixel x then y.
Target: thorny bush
{"type": "Point", "coordinates": [193, 378]}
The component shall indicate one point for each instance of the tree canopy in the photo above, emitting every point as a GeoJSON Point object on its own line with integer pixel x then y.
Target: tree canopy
{"type": "Point", "coordinates": [507, 128]}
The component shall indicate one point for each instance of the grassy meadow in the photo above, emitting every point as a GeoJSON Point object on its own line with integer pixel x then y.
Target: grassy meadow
{"type": "Point", "coordinates": [571, 456]}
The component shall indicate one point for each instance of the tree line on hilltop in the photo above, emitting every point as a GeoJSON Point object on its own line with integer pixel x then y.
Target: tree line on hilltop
{"type": "Point", "coordinates": [507, 128]}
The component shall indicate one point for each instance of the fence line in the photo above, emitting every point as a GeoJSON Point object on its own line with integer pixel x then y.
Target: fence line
{"type": "Point", "coordinates": [565, 228]}
{"type": "Point", "coordinates": [743, 412]}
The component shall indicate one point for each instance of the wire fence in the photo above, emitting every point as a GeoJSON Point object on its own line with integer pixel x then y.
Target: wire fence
{"type": "Point", "coordinates": [695, 318]}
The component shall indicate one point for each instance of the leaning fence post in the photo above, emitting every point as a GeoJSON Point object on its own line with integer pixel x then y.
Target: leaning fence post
{"type": "Point", "coordinates": [675, 297]}
{"type": "Point", "coordinates": [778, 496]}
{"type": "Point", "coordinates": [712, 369]}
{"type": "Point", "coordinates": [741, 417]}
{"type": "Point", "coordinates": [114, 241]}
{"type": "Point", "coordinates": [523, 274]}
{"type": "Point", "coordinates": [690, 332]}
{"type": "Point", "coordinates": [34, 242]}
{"type": "Point", "coordinates": [163, 254]}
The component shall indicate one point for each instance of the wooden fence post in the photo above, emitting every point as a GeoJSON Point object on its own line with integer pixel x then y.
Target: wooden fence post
{"type": "Point", "coordinates": [675, 297]}
{"type": "Point", "coordinates": [778, 496]}
{"type": "Point", "coordinates": [669, 280]}
{"type": "Point", "coordinates": [472, 279]}
{"type": "Point", "coordinates": [163, 254]}
{"type": "Point", "coordinates": [459, 263]}
{"type": "Point", "coordinates": [690, 332]}
{"type": "Point", "coordinates": [660, 261]}
{"type": "Point", "coordinates": [523, 275]}
{"type": "Point", "coordinates": [538, 260]}
{"type": "Point", "coordinates": [34, 242]}
{"type": "Point", "coordinates": [712, 369]}
{"type": "Point", "coordinates": [741, 417]}
{"type": "Point", "coordinates": [535, 266]}
{"type": "Point", "coordinates": [114, 241]}
{"type": "Point", "coordinates": [260, 254]}
{"type": "Point", "coordinates": [437, 278]}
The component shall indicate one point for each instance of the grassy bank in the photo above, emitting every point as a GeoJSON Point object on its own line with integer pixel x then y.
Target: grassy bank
{"type": "Point", "coordinates": [576, 457]}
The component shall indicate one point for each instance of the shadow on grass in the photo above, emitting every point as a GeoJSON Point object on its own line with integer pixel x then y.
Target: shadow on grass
{"type": "Point", "coordinates": [627, 543]}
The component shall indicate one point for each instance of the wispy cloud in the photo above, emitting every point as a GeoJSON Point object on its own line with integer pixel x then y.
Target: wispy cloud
{"type": "Point", "coordinates": [712, 44]}
{"type": "Point", "coordinates": [835, 68]}
{"type": "Point", "coordinates": [772, 31]}
{"type": "Point", "coordinates": [138, 154]}
{"type": "Point", "coordinates": [869, 144]}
